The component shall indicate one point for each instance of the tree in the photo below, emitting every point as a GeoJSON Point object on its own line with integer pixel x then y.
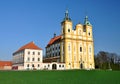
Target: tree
{"type": "Point", "coordinates": [106, 60]}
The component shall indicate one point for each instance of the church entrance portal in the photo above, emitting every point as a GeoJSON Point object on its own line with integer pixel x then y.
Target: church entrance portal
{"type": "Point", "coordinates": [81, 66]}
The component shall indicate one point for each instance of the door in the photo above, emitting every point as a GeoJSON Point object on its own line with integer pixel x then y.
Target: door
{"type": "Point", "coordinates": [54, 66]}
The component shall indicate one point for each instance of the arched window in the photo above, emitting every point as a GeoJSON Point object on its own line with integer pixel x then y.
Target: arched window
{"type": "Point", "coordinates": [33, 65]}
{"type": "Point", "coordinates": [69, 47]}
{"type": "Point", "coordinates": [68, 30]}
{"type": "Point", "coordinates": [79, 32]}
{"type": "Point", "coordinates": [38, 53]}
{"type": "Point", "coordinates": [33, 53]}
{"type": "Point", "coordinates": [38, 59]}
{"type": "Point", "coordinates": [33, 59]}
{"type": "Point", "coordinates": [28, 52]}
{"type": "Point", "coordinates": [80, 49]}
{"type": "Point", "coordinates": [27, 65]}
{"type": "Point", "coordinates": [90, 49]}
{"type": "Point", "coordinates": [89, 33]}
{"type": "Point", "coordinates": [38, 65]}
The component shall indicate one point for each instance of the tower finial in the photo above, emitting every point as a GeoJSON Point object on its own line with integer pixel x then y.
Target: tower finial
{"type": "Point", "coordinates": [86, 18]}
{"type": "Point", "coordinates": [86, 22]}
{"type": "Point", "coordinates": [67, 16]}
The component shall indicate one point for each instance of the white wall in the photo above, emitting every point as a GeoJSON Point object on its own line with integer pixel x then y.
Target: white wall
{"type": "Point", "coordinates": [28, 59]}
{"type": "Point", "coordinates": [48, 66]}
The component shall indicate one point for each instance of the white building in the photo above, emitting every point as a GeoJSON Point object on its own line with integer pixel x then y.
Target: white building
{"type": "Point", "coordinates": [28, 56]}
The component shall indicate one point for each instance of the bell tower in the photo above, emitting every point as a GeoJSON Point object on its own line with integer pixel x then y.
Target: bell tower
{"type": "Point", "coordinates": [66, 44]}
{"type": "Point", "coordinates": [87, 28]}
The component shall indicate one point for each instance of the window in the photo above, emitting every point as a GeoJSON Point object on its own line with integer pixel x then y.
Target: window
{"type": "Point", "coordinates": [28, 65]}
{"type": "Point", "coordinates": [28, 52]}
{"type": "Point", "coordinates": [59, 53]}
{"type": "Point", "coordinates": [84, 29]}
{"type": "Point", "coordinates": [48, 65]}
{"type": "Point", "coordinates": [68, 30]}
{"type": "Point", "coordinates": [33, 53]}
{"type": "Point", "coordinates": [80, 49]}
{"type": "Point", "coordinates": [79, 32]}
{"type": "Point", "coordinates": [38, 53]}
{"type": "Point", "coordinates": [90, 49]}
{"type": "Point", "coordinates": [28, 59]}
{"type": "Point", "coordinates": [62, 65]}
{"type": "Point", "coordinates": [33, 65]}
{"type": "Point", "coordinates": [69, 47]}
{"type": "Point", "coordinates": [38, 59]}
{"type": "Point", "coordinates": [33, 59]}
{"type": "Point", "coordinates": [89, 33]}
{"type": "Point", "coordinates": [38, 65]}
{"type": "Point", "coordinates": [59, 65]}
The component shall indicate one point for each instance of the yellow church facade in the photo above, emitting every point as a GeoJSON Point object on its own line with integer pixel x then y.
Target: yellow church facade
{"type": "Point", "coordinates": [76, 46]}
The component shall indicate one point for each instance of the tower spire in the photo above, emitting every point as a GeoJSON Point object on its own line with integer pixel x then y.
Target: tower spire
{"type": "Point", "coordinates": [86, 22]}
{"type": "Point", "coordinates": [67, 16]}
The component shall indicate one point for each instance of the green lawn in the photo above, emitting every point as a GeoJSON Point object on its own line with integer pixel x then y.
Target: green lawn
{"type": "Point", "coordinates": [60, 77]}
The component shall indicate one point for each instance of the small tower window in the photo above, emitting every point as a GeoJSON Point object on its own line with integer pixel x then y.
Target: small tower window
{"type": "Point", "coordinates": [84, 29]}
{"type": "Point", "coordinates": [68, 30]}
{"type": "Point", "coordinates": [89, 33]}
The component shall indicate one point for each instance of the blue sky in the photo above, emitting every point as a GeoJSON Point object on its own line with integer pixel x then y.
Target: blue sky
{"type": "Point", "coordinates": [23, 21]}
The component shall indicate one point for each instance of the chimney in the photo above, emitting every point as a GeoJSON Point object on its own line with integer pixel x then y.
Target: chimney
{"type": "Point", "coordinates": [54, 35]}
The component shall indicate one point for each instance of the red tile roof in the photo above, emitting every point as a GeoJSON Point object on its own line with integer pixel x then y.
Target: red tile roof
{"type": "Point", "coordinates": [30, 45]}
{"type": "Point", "coordinates": [5, 63]}
{"type": "Point", "coordinates": [56, 38]}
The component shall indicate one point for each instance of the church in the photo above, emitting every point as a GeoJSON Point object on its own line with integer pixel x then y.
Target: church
{"type": "Point", "coordinates": [73, 47]}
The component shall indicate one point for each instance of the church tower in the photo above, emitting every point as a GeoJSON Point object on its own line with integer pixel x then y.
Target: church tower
{"type": "Point", "coordinates": [66, 44]}
{"type": "Point", "coordinates": [87, 28]}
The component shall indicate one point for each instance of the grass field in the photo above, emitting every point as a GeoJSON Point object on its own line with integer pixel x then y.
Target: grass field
{"type": "Point", "coordinates": [60, 77]}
